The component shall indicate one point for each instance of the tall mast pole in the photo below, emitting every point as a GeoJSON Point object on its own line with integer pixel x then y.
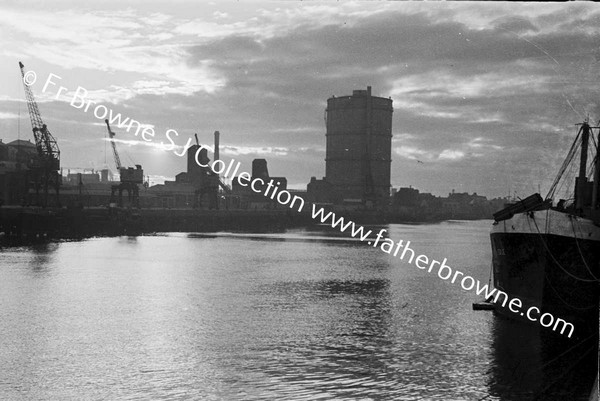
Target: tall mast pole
{"type": "Point", "coordinates": [581, 181]}
{"type": "Point", "coordinates": [596, 187]}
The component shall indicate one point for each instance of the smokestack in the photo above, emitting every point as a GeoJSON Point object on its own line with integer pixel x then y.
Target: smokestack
{"type": "Point", "coordinates": [217, 145]}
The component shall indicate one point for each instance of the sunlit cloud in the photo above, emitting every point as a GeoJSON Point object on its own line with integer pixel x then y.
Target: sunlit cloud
{"type": "Point", "coordinates": [413, 153]}
{"type": "Point", "coordinates": [251, 150]}
{"type": "Point", "coordinates": [7, 115]}
{"type": "Point", "coordinates": [450, 154]}
{"type": "Point", "coordinates": [296, 130]}
{"type": "Point", "coordinates": [482, 143]}
{"type": "Point", "coordinates": [149, 144]}
{"type": "Point", "coordinates": [111, 41]}
{"type": "Point", "coordinates": [445, 83]}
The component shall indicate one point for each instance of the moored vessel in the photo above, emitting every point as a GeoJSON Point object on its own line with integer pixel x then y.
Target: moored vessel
{"type": "Point", "coordinates": [547, 252]}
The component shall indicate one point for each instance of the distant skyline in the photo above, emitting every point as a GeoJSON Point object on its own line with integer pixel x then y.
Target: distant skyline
{"type": "Point", "coordinates": [486, 95]}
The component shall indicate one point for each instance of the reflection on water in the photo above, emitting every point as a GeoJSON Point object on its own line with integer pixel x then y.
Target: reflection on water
{"type": "Point", "coordinates": [531, 363]}
{"type": "Point", "coordinates": [304, 314]}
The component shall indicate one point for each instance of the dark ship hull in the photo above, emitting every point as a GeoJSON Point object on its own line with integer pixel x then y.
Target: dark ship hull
{"type": "Point", "coordinates": [548, 256]}
{"type": "Point", "coordinates": [549, 259]}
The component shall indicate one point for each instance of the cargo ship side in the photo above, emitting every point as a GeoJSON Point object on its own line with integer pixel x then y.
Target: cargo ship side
{"type": "Point", "coordinates": [547, 253]}
{"type": "Point", "coordinates": [549, 259]}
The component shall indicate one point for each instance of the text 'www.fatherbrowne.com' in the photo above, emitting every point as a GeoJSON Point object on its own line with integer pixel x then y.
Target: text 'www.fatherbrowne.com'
{"type": "Point", "coordinates": [80, 99]}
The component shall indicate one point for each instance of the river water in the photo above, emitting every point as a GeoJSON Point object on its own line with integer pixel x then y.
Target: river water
{"type": "Point", "coordinates": [300, 315]}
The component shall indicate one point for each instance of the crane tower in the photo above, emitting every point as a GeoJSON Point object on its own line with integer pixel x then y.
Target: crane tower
{"type": "Point", "coordinates": [43, 170]}
{"type": "Point", "coordinates": [130, 177]}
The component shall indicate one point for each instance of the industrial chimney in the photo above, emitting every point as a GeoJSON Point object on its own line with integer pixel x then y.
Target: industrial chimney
{"type": "Point", "coordinates": [217, 134]}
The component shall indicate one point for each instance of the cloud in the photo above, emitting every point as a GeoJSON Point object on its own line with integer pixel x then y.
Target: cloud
{"type": "Point", "coordinates": [109, 41]}
{"type": "Point", "coordinates": [450, 154]}
{"type": "Point", "coordinates": [483, 143]}
{"type": "Point", "coordinates": [515, 24]}
{"type": "Point", "coordinates": [8, 115]}
{"type": "Point", "coordinates": [413, 153]}
{"type": "Point", "coordinates": [134, 142]}
{"type": "Point", "coordinates": [253, 150]}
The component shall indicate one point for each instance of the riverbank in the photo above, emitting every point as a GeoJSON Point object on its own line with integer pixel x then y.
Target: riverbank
{"type": "Point", "coordinates": [29, 223]}
{"type": "Point", "coordinates": [34, 223]}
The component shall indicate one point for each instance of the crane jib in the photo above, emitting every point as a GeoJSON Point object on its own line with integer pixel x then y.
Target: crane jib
{"type": "Point", "coordinates": [43, 170]}
{"type": "Point", "coordinates": [45, 143]}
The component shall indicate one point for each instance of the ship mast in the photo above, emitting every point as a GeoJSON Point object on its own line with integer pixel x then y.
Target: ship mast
{"type": "Point", "coordinates": [581, 182]}
{"type": "Point", "coordinates": [596, 187]}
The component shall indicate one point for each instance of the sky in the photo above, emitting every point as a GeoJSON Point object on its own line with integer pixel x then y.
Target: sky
{"type": "Point", "coordinates": [486, 95]}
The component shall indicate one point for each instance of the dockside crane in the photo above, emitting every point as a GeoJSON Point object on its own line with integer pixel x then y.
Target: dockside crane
{"type": "Point", "coordinates": [45, 169]}
{"type": "Point", "coordinates": [130, 177]}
